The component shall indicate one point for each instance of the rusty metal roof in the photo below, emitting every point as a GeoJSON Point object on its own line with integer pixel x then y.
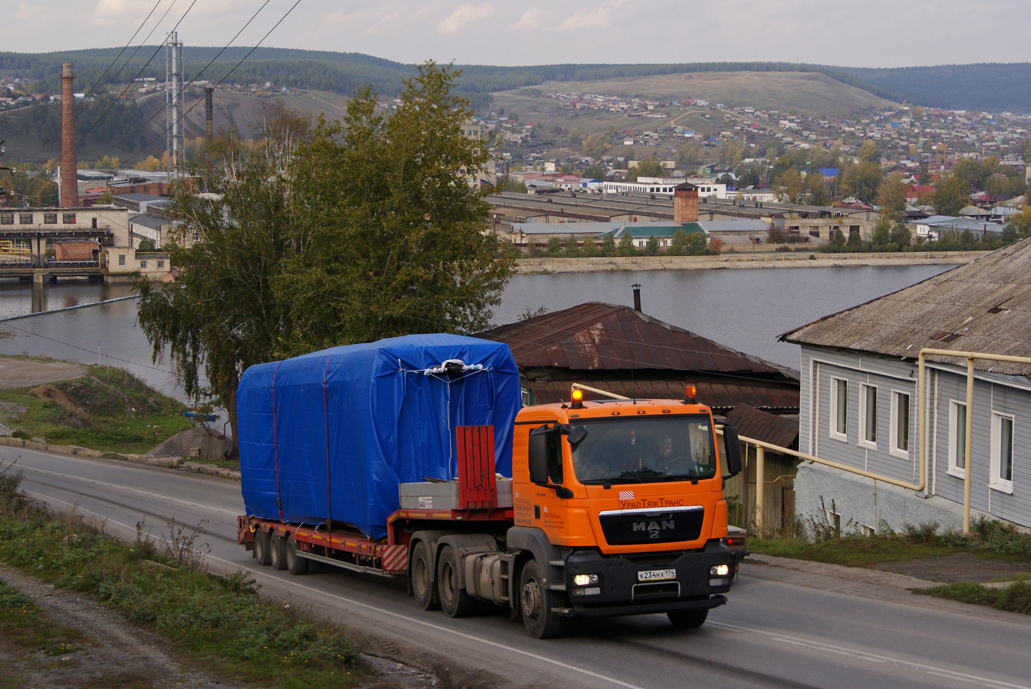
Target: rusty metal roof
{"type": "Point", "coordinates": [718, 396]}
{"type": "Point", "coordinates": [606, 337]}
{"type": "Point", "coordinates": [753, 423]}
{"type": "Point", "coordinates": [982, 306]}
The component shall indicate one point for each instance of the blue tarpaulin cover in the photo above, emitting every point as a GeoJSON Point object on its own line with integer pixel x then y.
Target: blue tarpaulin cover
{"type": "Point", "coordinates": [330, 435]}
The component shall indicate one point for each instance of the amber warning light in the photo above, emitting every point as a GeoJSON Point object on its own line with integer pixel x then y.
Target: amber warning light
{"type": "Point", "coordinates": [689, 394]}
{"type": "Point", "coordinates": [578, 399]}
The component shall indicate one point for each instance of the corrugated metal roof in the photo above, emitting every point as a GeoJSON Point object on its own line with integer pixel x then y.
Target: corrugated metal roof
{"type": "Point", "coordinates": [758, 425]}
{"type": "Point", "coordinates": [719, 396]}
{"type": "Point", "coordinates": [596, 337]}
{"type": "Point", "coordinates": [983, 306]}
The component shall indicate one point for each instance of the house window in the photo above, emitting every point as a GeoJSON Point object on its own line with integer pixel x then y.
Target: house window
{"type": "Point", "coordinates": [1002, 452]}
{"type": "Point", "coordinates": [957, 438]}
{"type": "Point", "coordinates": [25, 218]}
{"type": "Point", "coordinates": [900, 424]}
{"type": "Point", "coordinates": [121, 259]}
{"type": "Point", "coordinates": [868, 416]}
{"type": "Point", "coordinates": [143, 264]}
{"type": "Point", "coordinates": [839, 409]}
{"type": "Point", "coordinates": [68, 218]}
{"type": "Point", "coordinates": [161, 264]}
{"type": "Point", "coordinates": [50, 218]}
{"type": "Point", "coordinates": [6, 218]}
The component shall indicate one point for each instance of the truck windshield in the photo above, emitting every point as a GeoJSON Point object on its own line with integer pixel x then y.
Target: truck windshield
{"type": "Point", "coordinates": [649, 449]}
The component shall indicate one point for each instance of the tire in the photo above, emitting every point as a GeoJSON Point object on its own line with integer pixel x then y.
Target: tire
{"type": "Point", "coordinates": [261, 548]}
{"type": "Point", "coordinates": [277, 552]}
{"type": "Point", "coordinates": [688, 619]}
{"type": "Point", "coordinates": [295, 564]}
{"type": "Point", "coordinates": [537, 604]}
{"type": "Point", "coordinates": [425, 590]}
{"type": "Point", "coordinates": [455, 601]}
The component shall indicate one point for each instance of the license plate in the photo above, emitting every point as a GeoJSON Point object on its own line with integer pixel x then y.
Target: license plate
{"type": "Point", "coordinates": [657, 574]}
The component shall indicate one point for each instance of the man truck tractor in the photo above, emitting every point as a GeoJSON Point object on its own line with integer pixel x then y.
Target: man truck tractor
{"type": "Point", "coordinates": [413, 457]}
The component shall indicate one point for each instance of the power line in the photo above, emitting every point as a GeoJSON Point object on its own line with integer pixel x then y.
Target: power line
{"type": "Point", "coordinates": [222, 80]}
{"type": "Point", "coordinates": [195, 78]}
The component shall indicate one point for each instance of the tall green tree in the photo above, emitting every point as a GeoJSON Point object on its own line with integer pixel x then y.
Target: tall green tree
{"type": "Point", "coordinates": [950, 196]}
{"type": "Point", "coordinates": [891, 197]}
{"type": "Point", "coordinates": [338, 233]}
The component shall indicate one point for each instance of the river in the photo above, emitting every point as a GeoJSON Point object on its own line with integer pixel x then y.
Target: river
{"type": "Point", "coordinates": [742, 309]}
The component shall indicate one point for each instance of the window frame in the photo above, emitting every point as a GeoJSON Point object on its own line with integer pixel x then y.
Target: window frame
{"type": "Point", "coordinates": [68, 218]}
{"type": "Point", "coordinates": [893, 431]}
{"type": "Point", "coordinates": [7, 218]}
{"type": "Point", "coordinates": [833, 425]}
{"type": "Point", "coordinates": [22, 219]}
{"type": "Point", "coordinates": [955, 429]}
{"type": "Point", "coordinates": [50, 218]}
{"type": "Point", "coordinates": [996, 482]}
{"type": "Point", "coordinates": [864, 416]}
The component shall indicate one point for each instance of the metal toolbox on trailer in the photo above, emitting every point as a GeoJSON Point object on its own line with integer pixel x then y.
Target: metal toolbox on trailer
{"type": "Point", "coordinates": [444, 495]}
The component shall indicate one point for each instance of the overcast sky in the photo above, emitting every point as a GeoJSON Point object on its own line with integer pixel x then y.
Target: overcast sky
{"type": "Point", "coordinates": [864, 33]}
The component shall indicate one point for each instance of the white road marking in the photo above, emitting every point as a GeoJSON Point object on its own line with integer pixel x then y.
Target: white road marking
{"type": "Point", "coordinates": [349, 601]}
{"type": "Point", "coordinates": [130, 489]}
{"type": "Point", "coordinates": [872, 657]}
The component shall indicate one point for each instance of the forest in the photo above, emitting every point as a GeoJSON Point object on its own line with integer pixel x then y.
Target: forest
{"type": "Point", "coordinates": [991, 87]}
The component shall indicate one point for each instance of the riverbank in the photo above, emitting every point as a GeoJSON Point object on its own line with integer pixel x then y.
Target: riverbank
{"type": "Point", "coordinates": [725, 261]}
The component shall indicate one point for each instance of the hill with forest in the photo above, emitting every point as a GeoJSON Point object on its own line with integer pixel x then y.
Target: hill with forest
{"type": "Point", "coordinates": [982, 87]}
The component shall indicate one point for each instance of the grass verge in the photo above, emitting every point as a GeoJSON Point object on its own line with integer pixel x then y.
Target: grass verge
{"type": "Point", "coordinates": [988, 539]}
{"type": "Point", "coordinates": [24, 624]}
{"type": "Point", "coordinates": [1013, 598]}
{"type": "Point", "coordinates": [217, 620]}
{"type": "Point", "coordinates": [108, 410]}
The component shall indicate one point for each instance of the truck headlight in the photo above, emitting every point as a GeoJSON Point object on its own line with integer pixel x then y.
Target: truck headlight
{"type": "Point", "coordinates": [585, 579]}
{"type": "Point", "coordinates": [719, 570]}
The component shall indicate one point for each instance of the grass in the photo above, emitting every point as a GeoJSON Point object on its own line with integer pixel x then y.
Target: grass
{"type": "Point", "coordinates": [108, 410]}
{"type": "Point", "coordinates": [24, 624]}
{"type": "Point", "coordinates": [1013, 598]}
{"type": "Point", "coordinates": [219, 620]}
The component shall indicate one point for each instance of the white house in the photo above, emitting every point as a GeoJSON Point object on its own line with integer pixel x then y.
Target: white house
{"type": "Point", "coordinates": [860, 401]}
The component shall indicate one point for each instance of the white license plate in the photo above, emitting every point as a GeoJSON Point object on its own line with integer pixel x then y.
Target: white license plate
{"type": "Point", "coordinates": [657, 574]}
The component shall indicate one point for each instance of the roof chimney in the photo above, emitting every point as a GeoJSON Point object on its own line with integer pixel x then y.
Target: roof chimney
{"type": "Point", "coordinates": [637, 297]}
{"type": "Point", "coordinates": [69, 178]}
{"type": "Point", "coordinates": [207, 114]}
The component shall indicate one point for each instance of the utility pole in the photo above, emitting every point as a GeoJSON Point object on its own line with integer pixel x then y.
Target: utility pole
{"type": "Point", "coordinates": [174, 140]}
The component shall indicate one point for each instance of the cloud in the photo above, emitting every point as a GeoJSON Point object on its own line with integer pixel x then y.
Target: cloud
{"type": "Point", "coordinates": [26, 11]}
{"type": "Point", "coordinates": [600, 17]}
{"type": "Point", "coordinates": [530, 20]}
{"type": "Point", "coordinates": [108, 12]}
{"type": "Point", "coordinates": [464, 16]}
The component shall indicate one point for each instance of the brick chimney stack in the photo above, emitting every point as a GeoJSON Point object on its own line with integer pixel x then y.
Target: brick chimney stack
{"type": "Point", "coordinates": [685, 203]}
{"type": "Point", "coordinates": [69, 179]}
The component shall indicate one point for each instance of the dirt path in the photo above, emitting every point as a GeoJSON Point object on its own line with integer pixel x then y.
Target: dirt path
{"type": "Point", "coordinates": [16, 372]}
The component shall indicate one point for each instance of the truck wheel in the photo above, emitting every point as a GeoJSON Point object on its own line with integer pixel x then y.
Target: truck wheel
{"type": "Point", "coordinates": [538, 604]}
{"type": "Point", "coordinates": [277, 551]}
{"type": "Point", "coordinates": [261, 548]}
{"type": "Point", "coordinates": [294, 563]}
{"type": "Point", "coordinates": [426, 595]}
{"type": "Point", "coordinates": [455, 601]}
{"type": "Point", "coordinates": [687, 619]}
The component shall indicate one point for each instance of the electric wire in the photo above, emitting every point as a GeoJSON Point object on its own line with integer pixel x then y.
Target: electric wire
{"type": "Point", "coordinates": [220, 81]}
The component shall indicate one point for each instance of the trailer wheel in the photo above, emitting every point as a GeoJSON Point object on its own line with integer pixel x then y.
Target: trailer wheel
{"type": "Point", "coordinates": [455, 601]}
{"type": "Point", "coordinates": [294, 563]}
{"type": "Point", "coordinates": [538, 604]}
{"type": "Point", "coordinates": [277, 551]}
{"type": "Point", "coordinates": [426, 595]}
{"type": "Point", "coordinates": [687, 619]}
{"type": "Point", "coordinates": [261, 548]}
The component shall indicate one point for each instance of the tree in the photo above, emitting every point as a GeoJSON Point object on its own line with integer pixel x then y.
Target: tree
{"type": "Point", "coordinates": [652, 247]}
{"type": "Point", "coordinates": [891, 197]}
{"type": "Point", "coordinates": [855, 241]}
{"type": "Point", "coordinates": [346, 232]}
{"type": "Point", "coordinates": [626, 246]}
{"type": "Point", "coordinates": [696, 243]}
{"type": "Point", "coordinates": [145, 245]}
{"type": "Point", "coordinates": [861, 180]}
{"type": "Point", "coordinates": [589, 248]}
{"type": "Point", "coordinates": [1021, 222]}
{"type": "Point", "coordinates": [901, 236]}
{"type": "Point", "coordinates": [595, 172]}
{"type": "Point", "coordinates": [868, 152]}
{"type": "Point", "coordinates": [596, 145]}
{"type": "Point", "coordinates": [881, 235]}
{"type": "Point", "coordinates": [646, 167]}
{"type": "Point", "coordinates": [608, 245]}
{"type": "Point", "coordinates": [572, 248]}
{"type": "Point", "coordinates": [688, 155]}
{"type": "Point", "coordinates": [554, 247]}
{"type": "Point", "coordinates": [678, 245]}
{"type": "Point", "coordinates": [950, 196]}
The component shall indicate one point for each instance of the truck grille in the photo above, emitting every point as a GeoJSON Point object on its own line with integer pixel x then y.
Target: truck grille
{"type": "Point", "coordinates": [627, 527]}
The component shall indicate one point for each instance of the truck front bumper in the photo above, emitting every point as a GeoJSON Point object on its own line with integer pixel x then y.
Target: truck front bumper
{"type": "Point", "coordinates": [600, 585]}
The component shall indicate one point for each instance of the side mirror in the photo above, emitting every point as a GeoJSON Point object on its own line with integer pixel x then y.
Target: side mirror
{"type": "Point", "coordinates": [731, 452]}
{"type": "Point", "coordinates": [543, 440]}
{"type": "Point", "coordinates": [577, 434]}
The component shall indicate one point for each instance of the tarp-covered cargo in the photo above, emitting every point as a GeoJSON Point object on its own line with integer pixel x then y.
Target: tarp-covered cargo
{"type": "Point", "coordinates": [330, 435]}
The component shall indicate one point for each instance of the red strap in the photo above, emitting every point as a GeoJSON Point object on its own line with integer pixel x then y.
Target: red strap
{"type": "Point", "coordinates": [275, 445]}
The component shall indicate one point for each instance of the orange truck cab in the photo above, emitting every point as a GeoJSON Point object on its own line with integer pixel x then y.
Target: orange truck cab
{"type": "Point", "coordinates": [620, 503]}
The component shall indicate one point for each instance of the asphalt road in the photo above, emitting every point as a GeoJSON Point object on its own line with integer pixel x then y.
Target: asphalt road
{"type": "Point", "coordinates": [771, 634]}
